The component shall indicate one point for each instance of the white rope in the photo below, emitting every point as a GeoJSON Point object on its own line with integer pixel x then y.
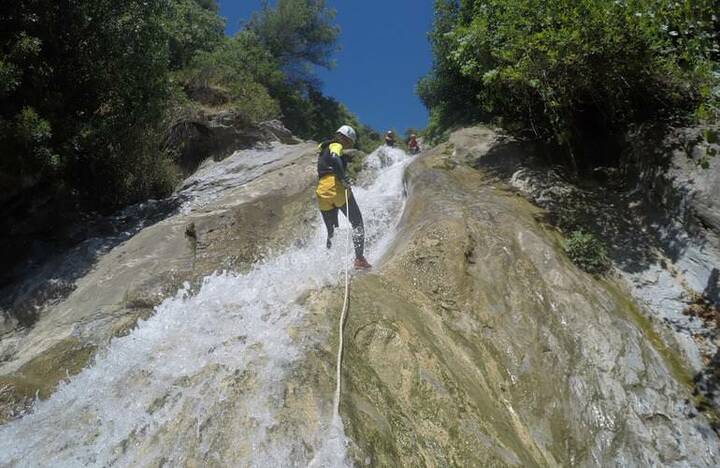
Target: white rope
{"type": "Point", "coordinates": [336, 405]}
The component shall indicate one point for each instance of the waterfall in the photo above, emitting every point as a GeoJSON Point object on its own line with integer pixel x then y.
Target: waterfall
{"type": "Point", "coordinates": [168, 392]}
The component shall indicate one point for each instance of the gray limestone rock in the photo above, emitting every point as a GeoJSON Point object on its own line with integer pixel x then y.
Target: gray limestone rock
{"type": "Point", "coordinates": [477, 343]}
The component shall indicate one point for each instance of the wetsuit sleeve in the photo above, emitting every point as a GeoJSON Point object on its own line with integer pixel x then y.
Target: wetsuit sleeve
{"type": "Point", "coordinates": [337, 163]}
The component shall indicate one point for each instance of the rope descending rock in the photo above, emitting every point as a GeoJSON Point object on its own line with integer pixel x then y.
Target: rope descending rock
{"type": "Point", "coordinates": [336, 402]}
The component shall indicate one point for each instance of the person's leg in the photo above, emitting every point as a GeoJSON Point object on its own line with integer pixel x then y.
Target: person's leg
{"type": "Point", "coordinates": [326, 193]}
{"type": "Point", "coordinates": [330, 217]}
{"type": "Point", "coordinates": [352, 212]}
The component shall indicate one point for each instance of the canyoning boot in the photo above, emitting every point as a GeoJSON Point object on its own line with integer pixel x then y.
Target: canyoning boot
{"type": "Point", "coordinates": [361, 264]}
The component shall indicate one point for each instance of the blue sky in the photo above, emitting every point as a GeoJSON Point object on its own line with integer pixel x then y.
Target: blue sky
{"type": "Point", "coordinates": [384, 51]}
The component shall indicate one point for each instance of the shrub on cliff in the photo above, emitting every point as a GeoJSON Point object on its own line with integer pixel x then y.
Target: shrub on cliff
{"type": "Point", "coordinates": [234, 75]}
{"type": "Point", "coordinates": [267, 70]}
{"type": "Point", "coordinates": [552, 69]}
{"type": "Point", "coordinates": [587, 252]}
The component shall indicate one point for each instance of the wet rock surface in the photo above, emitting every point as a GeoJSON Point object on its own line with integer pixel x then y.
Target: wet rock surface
{"type": "Point", "coordinates": [217, 375]}
{"type": "Point", "coordinates": [228, 215]}
{"type": "Point", "coordinates": [474, 341]}
{"type": "Point", "coordinates": [478, 343]}
{"type": "Point", "coordinates": [47, 241]}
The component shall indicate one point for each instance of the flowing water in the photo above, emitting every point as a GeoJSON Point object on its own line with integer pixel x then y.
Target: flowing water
{"type": "Point", "coordinates": [204, 379]}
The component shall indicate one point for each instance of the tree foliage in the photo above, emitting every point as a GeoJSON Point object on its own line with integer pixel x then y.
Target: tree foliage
{"type": "Point", "coordinates": [554, 68]}
{"type": "Point", "coordinates": [299, 33]}
{"type": "Point", "coordinates": [81, 78]}
{"type": "Point", "coordinates": [191, 26]}
{"type": "Point", "coordinates": [87, 87]}
{"type": "Point", "coordinates": [237, 75]}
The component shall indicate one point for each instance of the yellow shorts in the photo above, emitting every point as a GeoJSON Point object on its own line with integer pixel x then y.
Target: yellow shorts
{"type": "Point", "coordinates": [330, 193]}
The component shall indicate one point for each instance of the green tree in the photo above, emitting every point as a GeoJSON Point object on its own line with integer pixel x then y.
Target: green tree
{"type": "Point", "coordinates": [235, 74]}
{"type": "Point", "coordinates": [558, 69]}
{"type": "Point", "coordinates": [87, 86]}
{"type": "Point", "coordinates": [192, 26]}
{"type": "Point", "coordinates": [298, 33]}
{"type": "Point", "coordinates": [446, 92]}
{"type": "Point", "coordinates": [301, 35]}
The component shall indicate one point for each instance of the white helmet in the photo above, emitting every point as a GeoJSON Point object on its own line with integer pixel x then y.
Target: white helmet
{"type": "Point", "coordinates": [348, 131]}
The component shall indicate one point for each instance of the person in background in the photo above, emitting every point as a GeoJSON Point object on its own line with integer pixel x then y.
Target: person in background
{"type": "Point", "coordinates": [413, 145]}
{"type": "Point", "coordinates": [390, 138]}
{"type": "Point", "coordinates": [331, 190]}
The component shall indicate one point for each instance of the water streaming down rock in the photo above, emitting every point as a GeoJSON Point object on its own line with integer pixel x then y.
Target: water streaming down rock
{"type": "Point", "coordinates": [203, 379]}
{"type": "Point", "coordinates": [474, 342]}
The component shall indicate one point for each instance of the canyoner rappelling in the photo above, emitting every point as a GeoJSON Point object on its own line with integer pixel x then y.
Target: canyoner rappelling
{"type": "Point", "coordinates": [334, 194]}
{"type": "Point", "coordinates": [385, 168]}
{"type": "Point", "coordinates": [219, 372]}
{"type": "Point", "coordinates": [334, 186]}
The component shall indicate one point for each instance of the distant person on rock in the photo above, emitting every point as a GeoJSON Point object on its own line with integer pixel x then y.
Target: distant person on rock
{"type": "Point", "coordinates": [390, 138]}
{"type": "Point", "coordinates": [413, 145]}
{"type": "Point", "coordinates": [331, 189]}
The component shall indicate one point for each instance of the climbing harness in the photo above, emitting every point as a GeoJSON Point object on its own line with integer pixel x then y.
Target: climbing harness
{"type": "Point", "coordinates": [336, 401]}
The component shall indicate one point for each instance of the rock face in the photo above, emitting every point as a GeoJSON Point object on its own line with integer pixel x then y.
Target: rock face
{"type": "Point", "coordinates": [477, 343]}
{"type": "Point", "coordinates": [218, 135]}
{"type": "Point", "coordinates": [473, 342]}
{"type": "Point", "coordinates": [47, 240]}
{"type": "Point", "coordinates": [682, 177]}
{"type": "Point", "coordinates": [659, 216]}
{"type": "Point", "coordinates": [218, 374]}
{"type": "Point", "coordinates": [228, 215]}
